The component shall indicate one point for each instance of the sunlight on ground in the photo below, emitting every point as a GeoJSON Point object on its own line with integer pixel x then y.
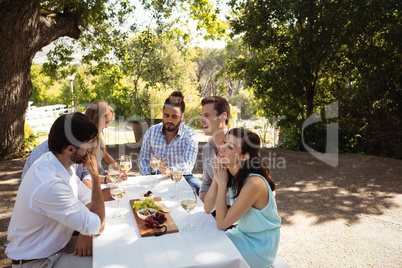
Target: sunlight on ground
{"type": "Point", "coordinates": [11, 181]}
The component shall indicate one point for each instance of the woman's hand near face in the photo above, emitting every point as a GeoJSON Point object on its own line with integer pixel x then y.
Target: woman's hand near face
{"type": "Point", "coordinates": [221, 175]}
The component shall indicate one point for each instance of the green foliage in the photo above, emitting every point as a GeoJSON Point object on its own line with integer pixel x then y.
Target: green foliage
{"type": "Point", "coordinates": [209, 63]}
{"type": "Point", "coordinates": [234, 115]}
{"type": "Point", "coordinates": [154, 63]}
{"type": "Point", "coordinates": [263, 134]}
{"type": "Point", "coordinates": [167, 67]}
{"type": "Point", "coordinates": [245, 101]}
{"type": "Point", "coordinates": [45, 91]}
{"type": "Point", "coordinates": [30, 138]}
{"type": "Point", "coordinates": [102, 32]}
{"type": "Point", "coordinates": [151, 67]}
{"type": "Point", "coordinates": [290, 138]}
{"type": "Point", "coordinates": [296, 57]}
{"type": "Point", "coordinates": [299, 56]}
{"type": "Point", "coordinates": [372, 97]}
{"type": "Point", "coordinates": [204, 13]}
{"type": "Point", "coordinates": [215, 79]}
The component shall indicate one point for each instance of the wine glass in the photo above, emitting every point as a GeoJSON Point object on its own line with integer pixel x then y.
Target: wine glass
{"type": "Point", "coordinates": [155, 163]}
{"type": "Point", "coordinates": [117, 191]}
{"type": "Point", "coordinates": [188, 200]}
{"type": "Point", "coordinates": [176, 176]}
{"type": "Point", "coordinates": [114, 173]}
{"type": "Point", "coordinates": [125, 163]}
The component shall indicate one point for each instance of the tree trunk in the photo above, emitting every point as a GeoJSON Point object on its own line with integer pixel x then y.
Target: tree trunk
{"type": "Point", "coordinates": [23, 32]}
{"type": "Point", "coordinates": [15, 82]}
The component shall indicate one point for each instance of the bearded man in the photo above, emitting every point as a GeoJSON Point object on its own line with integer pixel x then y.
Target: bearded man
{"type": "Point", "coordinates": [52, 202]}
{"type": "Point", "coordinates": [172, 141]}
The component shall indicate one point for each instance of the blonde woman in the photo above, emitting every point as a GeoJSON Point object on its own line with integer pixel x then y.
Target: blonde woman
{"type": "Point", "coordinates": [102, 115]}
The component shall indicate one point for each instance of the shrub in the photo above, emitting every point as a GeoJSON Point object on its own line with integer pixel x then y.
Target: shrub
{"type": "Point", "coordinates": [30, 138]}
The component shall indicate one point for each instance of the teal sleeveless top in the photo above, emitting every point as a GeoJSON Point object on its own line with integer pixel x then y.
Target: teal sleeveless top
{"type": "Point", "coordinates": [257, 234]}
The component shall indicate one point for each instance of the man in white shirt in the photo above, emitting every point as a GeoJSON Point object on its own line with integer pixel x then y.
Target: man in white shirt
{"type": "Point", "coordinates": [52, 202]}
{"type": "Point", "coordinates": [43, 148]}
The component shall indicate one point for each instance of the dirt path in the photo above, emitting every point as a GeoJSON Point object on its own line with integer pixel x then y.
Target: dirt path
{"type": "Point", "coordinates": [348, 216]}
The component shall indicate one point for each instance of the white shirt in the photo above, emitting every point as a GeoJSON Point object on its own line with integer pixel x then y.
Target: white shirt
{"type": "Point", "coordinates": [43, 148]}
{"type": "Point", "coordinates": [50, 205]}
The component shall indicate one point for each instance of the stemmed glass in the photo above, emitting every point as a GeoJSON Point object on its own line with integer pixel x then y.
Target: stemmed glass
{"type": "Point", "coordinates": [188, 200]}
{"type": "Point", "coordinates": [114, 173]}
{"type": "Point", "coordinates": [176, 176]}
{"type": "Point", "coordinates": [155, 165]}
{"type": "Point", "coordinates": [125, 163]}
{"type": "Point", "coordinates": [117, 191]}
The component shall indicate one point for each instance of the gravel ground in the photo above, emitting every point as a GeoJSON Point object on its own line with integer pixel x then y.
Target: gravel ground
{"type": "Point", "coordinates": [344, 216]}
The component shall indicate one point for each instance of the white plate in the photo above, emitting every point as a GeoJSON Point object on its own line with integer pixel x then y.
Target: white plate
{"type": "Point", "coordinates": [143, 217]}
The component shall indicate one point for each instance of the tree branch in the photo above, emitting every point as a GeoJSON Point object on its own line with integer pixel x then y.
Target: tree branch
{"type": "Point", "coordinates": [54, 26]}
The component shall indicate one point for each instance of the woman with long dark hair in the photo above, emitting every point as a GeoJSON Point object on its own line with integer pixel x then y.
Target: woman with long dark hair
{"type": "Point", "coordinates": [240, 169]}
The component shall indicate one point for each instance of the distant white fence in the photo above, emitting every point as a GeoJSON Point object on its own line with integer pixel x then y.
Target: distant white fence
{"type": "Point", "coordinates": [40, 119]}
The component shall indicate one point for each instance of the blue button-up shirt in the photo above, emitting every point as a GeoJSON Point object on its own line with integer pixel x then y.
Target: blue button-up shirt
{"type": "Point", "coordinates": [181, 152]}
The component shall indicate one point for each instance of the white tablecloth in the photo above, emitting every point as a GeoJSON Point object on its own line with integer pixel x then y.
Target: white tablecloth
{"type": "Point", "coordinates": [121, 245]}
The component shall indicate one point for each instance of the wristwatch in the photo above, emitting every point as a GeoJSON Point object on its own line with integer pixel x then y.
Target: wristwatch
{"type": "Point", "coordinates": [104, 181]}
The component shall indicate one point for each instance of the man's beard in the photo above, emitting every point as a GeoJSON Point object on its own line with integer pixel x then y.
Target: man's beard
{"type": "Point", "coordinates": [76, 158]}
{"type": "Point", "coordinates": [171, 129]}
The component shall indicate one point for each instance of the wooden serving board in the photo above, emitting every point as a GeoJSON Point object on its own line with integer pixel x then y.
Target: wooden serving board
{"type": "Point", "coordinates": [147, 231]}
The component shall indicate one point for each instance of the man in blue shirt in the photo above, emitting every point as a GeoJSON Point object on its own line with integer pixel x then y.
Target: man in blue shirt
{"type": "Point", "coordinates": [172, 141]}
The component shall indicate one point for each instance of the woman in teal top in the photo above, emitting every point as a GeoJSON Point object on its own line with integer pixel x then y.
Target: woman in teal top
{"type": "Point", "coordinates": [240, 169]}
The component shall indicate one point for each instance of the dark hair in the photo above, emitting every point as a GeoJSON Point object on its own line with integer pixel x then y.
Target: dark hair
{"type": "Point", "coordinates": [175, 100]}
{"type": "Point", "coordinates": [250, 145]}
{"type": "Point", "coordinates": [70, 129]}
{"type": "Point", "coordinates": [221, 105]}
